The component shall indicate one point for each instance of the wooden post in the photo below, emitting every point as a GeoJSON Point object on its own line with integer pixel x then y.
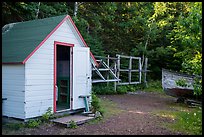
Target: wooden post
{"type": "Point", "coordinates": [115, 71]}
{"type": "Point", "coordinates": [118, 67]}
{"type": "Point", "coordinates": [130, 68]}
{"type": "Point", "coordinates": [145, 72]}
{"type": "Point", "coordinates": [108, 71]}
{"type": "Point", "coordinates": [140, 70]}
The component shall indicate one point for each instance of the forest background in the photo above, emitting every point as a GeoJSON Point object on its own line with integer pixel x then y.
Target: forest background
{"type": "Point", "coordinates": [169, 34]}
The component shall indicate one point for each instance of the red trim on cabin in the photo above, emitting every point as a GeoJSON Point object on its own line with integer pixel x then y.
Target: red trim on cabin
{"type": "Point", "coordinates": [82, 39]}
{"type": "Point", "coordinates": [45, 39]}
{"type": "Point", "coordinates": [72, 73]}
{"type": "Point", "coordinates": [63, 44]}
{"type": "Point", "coordinates": [57, 43]}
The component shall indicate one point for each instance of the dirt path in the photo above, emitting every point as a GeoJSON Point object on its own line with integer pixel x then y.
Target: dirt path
{"type": "Point", "coordinates": [137, 118]}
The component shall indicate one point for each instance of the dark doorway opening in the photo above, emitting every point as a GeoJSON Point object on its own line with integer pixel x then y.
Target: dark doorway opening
{"type": "Point", "coordinates": [63, 78]}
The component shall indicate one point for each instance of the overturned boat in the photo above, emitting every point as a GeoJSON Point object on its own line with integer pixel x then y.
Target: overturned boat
{"type": "Point", "coordinates": [170, 86]}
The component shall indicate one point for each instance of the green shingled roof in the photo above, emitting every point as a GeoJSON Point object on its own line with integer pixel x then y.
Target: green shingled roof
{"type": "Point", "coordinates": [23, 37]}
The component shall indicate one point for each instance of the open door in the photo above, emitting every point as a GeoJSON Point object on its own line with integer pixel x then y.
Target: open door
{"type": "Point", "coordinates": [63, 60]}
{"type": "Point", "coordinates": [81, 75]}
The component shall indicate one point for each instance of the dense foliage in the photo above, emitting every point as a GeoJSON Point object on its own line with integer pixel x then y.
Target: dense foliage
{"type": "Point", "coordinates": [168, 33]}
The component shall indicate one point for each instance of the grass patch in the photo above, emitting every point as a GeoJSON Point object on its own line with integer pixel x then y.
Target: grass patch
{"type": "Point", "coordinates": [14, 126]}
{"type": "Point", "coordinates": [186, 120]}
{"type": "Point", "coordinates": [108, 109]}
{"type": "Point", "coordinates": [154, 86]}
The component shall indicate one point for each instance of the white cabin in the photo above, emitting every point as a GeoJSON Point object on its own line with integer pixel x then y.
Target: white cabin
{"type": "Point", "coordinates": [45, 64]}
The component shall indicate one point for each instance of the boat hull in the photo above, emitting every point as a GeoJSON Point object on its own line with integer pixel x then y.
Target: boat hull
{"type": "Point", "coordinates": [170, 87]}
{"type": "Point", "coordinates": [178, 92]}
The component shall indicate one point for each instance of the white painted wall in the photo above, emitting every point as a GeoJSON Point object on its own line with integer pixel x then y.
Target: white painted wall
{"type": "Point", "coordinates": [39, 71]}
{"type": "Point", "coordinates": [13, 81]}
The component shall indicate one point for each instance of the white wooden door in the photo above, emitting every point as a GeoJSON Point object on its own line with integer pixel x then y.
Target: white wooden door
{"type": "Point", "coordinates": [81, 75]}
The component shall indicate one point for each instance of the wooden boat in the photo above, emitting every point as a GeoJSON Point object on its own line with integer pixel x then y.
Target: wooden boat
{"type": "Point", "coordinates": [170, 87]}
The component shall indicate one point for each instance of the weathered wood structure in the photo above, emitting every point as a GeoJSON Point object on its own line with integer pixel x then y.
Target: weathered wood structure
{"type": "Point", "coordinates": [112, 68]}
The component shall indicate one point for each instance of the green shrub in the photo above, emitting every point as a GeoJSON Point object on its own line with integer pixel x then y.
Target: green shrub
{"type": "Point", "coordinates": [122, 89]}
{"type": "Point", "coordinates": [182, 82]}
{"type": "Point", "coordinates": [95, 103]}
{"type": "Point", "coordinates": [33, 123]}
{"type": "Point", "coordinates": [103, 89]}
{"type": "Point", "coordinates": [154, 86]}
{"type": "Point", "coordinates": [72, 124]}
{"type": "Point", "coordinates": [48, 115]}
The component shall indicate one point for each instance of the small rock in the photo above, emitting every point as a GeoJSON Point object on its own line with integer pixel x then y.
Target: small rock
{"type": "Point", "coordinates": [98, 114]}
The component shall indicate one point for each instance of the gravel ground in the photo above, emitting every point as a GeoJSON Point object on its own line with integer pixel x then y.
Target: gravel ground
{"type": "Point", "coordinates": [136, 118]}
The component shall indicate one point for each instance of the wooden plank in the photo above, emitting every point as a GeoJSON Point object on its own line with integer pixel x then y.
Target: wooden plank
{"type": "Point", "coordinates": [110, 80]}
{"type": "Point", "coordinates": [127, 83]}
{"type": "Point", "coordinates": [123, 56]}
{"type": "Point", "coordinates": [127, 70]}
{"type": "Point", "coordinates": [78, 119]}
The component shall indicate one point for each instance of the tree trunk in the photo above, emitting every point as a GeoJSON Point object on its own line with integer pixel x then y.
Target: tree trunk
{"type": "Point", "coordinates": [75, 8]}
{"type": "Point", "coordinates": [143, 56]}
{"type": "Point", "coordinates": [36, 17]}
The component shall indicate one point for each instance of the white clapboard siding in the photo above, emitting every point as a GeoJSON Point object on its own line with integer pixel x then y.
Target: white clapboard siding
{"type": "Point", "coordinates": [13, 81]}
{"type": "Point", "coordinates": [20, 115]}
{"type": "Point", "coordinates": [16, 105]}
{"type": "Point", "coordinates": [38, 88]}
{"type": "Point", "coordinates": [65, 34]}
{"type": "Point", "coordinates": [65, 28]}
{"type": "Point", "coordinates": [9, 76]}
{"type": "Point", "coordinates": [38, 103]}
{"type": "Point", "coordinates": [48, 55]}
{"type": "Point", "coordinates": [35, 113]}
{"type": "Point", "coordinates": [9, 88]}
{"type": "Point", "coordinates": [40, 66]}
{"type": "Point", "coordinates": [11, 97]}
{"type": "Point", "coordinates": [36, 109]}
{"type": "Point", "coordinates": [39, 71]}
{"type": "Point", "coordinates": [39, 81]}
{"type": "Point", "coordinates": [64, 39]}
{"type": "Point", "coordinates": [39, 98]}
{"type": "Point", "coordinates": [76, 35]}
{"type": "Point", "coordinates": [13, 87]}
{"type": "Point", "coordinates": [39, 93]}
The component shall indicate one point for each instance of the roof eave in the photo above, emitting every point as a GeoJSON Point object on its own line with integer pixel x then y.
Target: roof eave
{"type": "Point", "coordinates": [12, 63]}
